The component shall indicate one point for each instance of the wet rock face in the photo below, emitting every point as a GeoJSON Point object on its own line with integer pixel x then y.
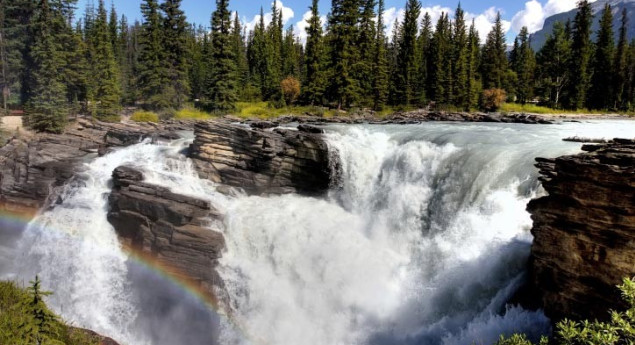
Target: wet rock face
{"type": "Point", "coordinates": [260, 161]}
{"type": "Point", "coordinates": [168, 227]}
{"type": "Point", "coordinates": [584, 230]}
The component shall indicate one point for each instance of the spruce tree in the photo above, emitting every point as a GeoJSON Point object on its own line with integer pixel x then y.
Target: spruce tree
{"type": "Point", "coordinates": [113, 30]}
{"type": "Point", "coordinates": [46, 108]}
{"type": "Point", "coordinates": [555, 54]}
{"type": "Point", "coordinates": [494, 59]}
{"type": "Point", "coordinates": [176, 54]}
{"type": "Point", "coordinates": [424, 51]}
{"type": "Point", "coordinates": [105, 90]}
{"type": "Point", "coordinates": [151, 73]}
{"type": "Point", "coordinates": [440, 49]}
{"type": "Point", "coordinates": [290, 55]}
{"type": "Point", "coordinates": [342, 33]}
{"type": "Point", "coordinates": [221, 87]}
{"type": "Point", "coordinates": [363, 67]}
{"type": "Point", "coordinates": [273, 57]}
{"type": "Point", "coordinates": [40, 326]}
{"type": "Point", "coordinates": [524, 67]}
{"type": "Point", "coordinates": [380, 63]}
{"type": "Point", "coordinates": [257, 55]}
{"type": "Point", "coordinates": [314, 59]}
{"type": "Point", "coordinates": [581, 49]}
{"type": "Point", "coordinates": [620, 67]}
{"type": "Point", "coordinates": [601, 91]}
{"type": "Point", "coordinates": [472, 85]}
{"type": "Point", "coordinates": [460, 60]}
{"type": "Point", "coordinates": [238, 46]}
{"type": "Point", "coordinates": [407, 68]}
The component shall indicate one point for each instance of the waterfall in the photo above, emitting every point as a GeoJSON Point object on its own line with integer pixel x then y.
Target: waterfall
{"type": "Point", "coordinates": [423, 240]}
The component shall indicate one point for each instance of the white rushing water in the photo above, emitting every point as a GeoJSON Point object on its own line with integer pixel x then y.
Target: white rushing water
{"type": "Point", "coordinates": [423, 241]}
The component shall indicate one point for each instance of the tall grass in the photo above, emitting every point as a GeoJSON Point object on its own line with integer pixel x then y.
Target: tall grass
{"type": "Point", "coordinates": [144, 116]}
{"type": "Point", "coordinates": [536, 109]}
{"type": "Point", "coordinates": [190, 113]}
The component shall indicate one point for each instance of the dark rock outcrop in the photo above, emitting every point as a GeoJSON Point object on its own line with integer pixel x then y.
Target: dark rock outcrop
{"type": "Point", "coordinates": [168, 227]}
{"type": "Point", "coordinates": [33, 166]}
{"type": "Point", "coordinates": [274, 161]}
{"type": "Point", "coordinates": [584, 230]}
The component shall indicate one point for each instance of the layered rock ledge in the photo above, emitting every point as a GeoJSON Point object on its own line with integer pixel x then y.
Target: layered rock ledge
{"type": "Point", "coordinates": [32, 166]}
{"type": "Point", "coordinates": [584, 230]}
{"type": "Point", "coordinates": [261, 160]}
{"type": "Point", "coordinates": [167, 227]}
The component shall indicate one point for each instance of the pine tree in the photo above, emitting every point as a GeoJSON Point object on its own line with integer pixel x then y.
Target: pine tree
{"type": "Point", "coordinates": [176, 54]}
{"type": "Point", "coordinates": [472, 85]}
{"type": "Point", "coordinates": [221, 86]}
{"type": "Point", "coordinates": [76, 68]}
{"type": "Point", "coordinates": [363, 67]}
{"type": "Point", "coordinates": [424, 57]}
{"type": "Point", "coordinates": [105, 90]}
{"type": "Point", "coordinates": [113, 30]}
{"type": "Point", "coordinates": [620, 67]}
{"type": "Point", "coordinates": [460, 60]}
{"type": "Point", "coordinates": [290, 55]}
{"type": "Point", "coordinates": [440, 49]}
{"type": "Point", "coordinates": [257, 55]}
{"type": "Point", "coordinates": [581, 48]}
{"type": "Point", "coordinates": [494, 59]}
{"type": "Point", "coordinates": [18, 16]}
{"type": "Point", "coordinates": [41, 325]}
{"type": "Point", "coordinates": [380, 63]}
{"type": "Point", "coordinates": [555, 54]}
{"type": "Point", "coordinates": [601, 91]}
{"type": "Point", "coordinates": [151, 73]}
{"type": "Point", "coordinates": [524, 67]}
{"type": "Point", "coordinates": [46, 106]}
{"type": "Point", "coordinates": [407, 70]}
{"type": "Point", "coordinates": [238, 46]}
{"type": "Point", "coordinates": [342, 33]}
{"type": "Point", "coordinates": [314, 59]}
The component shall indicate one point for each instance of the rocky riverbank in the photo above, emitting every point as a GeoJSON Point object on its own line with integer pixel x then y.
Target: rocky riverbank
{"type": "Point", "coordinates": [34, 166]}
{"type": "Point", "coordinates": [584, 230]}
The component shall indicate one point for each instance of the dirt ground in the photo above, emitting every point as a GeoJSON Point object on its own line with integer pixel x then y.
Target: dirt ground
{"type": "Point", "coordinates": [11, 123]}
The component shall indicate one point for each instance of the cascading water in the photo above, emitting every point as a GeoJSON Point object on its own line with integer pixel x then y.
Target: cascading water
{"type": "Point", "coordinates": [423, 241]}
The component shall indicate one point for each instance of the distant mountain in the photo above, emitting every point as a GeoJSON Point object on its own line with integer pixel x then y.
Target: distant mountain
{"type": "Point", "coordinates": [539, 38]}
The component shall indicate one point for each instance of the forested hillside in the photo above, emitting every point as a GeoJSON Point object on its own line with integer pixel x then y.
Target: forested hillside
{"type": "Point", "coordinates": [55, 64]}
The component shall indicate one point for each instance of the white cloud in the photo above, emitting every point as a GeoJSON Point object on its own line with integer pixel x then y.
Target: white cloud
{"type": "Point", "coordinates": [534, 14]}
{"type": "Point", "coordinates": [287, 14]}
{"type": "Point", "coordinates": [485, 21]}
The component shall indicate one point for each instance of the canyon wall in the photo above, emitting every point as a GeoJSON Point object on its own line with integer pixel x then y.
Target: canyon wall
{"type": "Point", "coordinates": [584, 230]}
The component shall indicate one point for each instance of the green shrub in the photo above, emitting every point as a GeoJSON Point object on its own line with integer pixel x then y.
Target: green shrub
{"type": "Point", "coordinates": [144, 116]}
{"type": "Point", "coordinates": [620, 330]}
{"type": "Point", "coordinates": [192, 114]}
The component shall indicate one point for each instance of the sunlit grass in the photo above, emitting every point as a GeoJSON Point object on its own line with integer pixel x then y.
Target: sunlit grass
{"type": "Point", "coordinates": [192, 114]}
{"type": "Point", "coordinates": [536, 109]}
{"type": "Point", "coordinates": [144, 116]}
{"type": "Point", "coordinates": [263, 110]}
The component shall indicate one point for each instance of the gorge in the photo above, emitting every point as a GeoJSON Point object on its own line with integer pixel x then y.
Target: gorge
{"type": "Point", "coordinates": [409, 234]}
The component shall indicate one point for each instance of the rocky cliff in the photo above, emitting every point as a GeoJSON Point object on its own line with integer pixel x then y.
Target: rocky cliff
{"type": "Point", "coordinates": [168, 227]}
{"type": "Point", "coordinates": [32, 166]}
{"type": "Point", "coordinates": [584, 230]}
{"type": "Point", "coordinates": [263, 161]}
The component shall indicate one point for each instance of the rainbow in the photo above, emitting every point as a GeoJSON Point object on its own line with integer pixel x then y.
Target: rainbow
{"type": "Point", "coordinates": [14, 221]}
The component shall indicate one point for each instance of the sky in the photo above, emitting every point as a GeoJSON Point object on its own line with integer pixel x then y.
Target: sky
{"type": "Point", "coordinates": [515, 13]}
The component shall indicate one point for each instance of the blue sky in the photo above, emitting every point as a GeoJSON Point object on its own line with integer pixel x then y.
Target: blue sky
{"type": "Point", "coordinates": [516, 13]}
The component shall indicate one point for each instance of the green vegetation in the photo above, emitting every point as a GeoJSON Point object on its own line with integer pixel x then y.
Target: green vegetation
{"type": "Point", "coordinates": [619, 330]}
{"type": "Point", "coordinates": [25, 319]}
{"type": "Point", "coordinates": [53, 69]}
{"type": "Point", "coordinates": [144, 116]}
{"type": "Point", "coordinates": [189, 113]}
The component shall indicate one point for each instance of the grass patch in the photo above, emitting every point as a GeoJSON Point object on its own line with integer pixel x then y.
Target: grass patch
{"type": "Point", "coordinates": [192, 114]}
{"type": "Point", "coordinates": [264, 111]}
{"type": "Point", "coordinates": [536, 109]}
{"type": "Point", "coordinates": [144, 116]}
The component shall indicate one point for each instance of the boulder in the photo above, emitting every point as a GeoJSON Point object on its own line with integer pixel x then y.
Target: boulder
{"type": "Point", "coordinates": [275, 161]}
{"type": "Point", "coordinates": [584, 231]}
{"type": "Point", "coordinates": [170, 228]}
